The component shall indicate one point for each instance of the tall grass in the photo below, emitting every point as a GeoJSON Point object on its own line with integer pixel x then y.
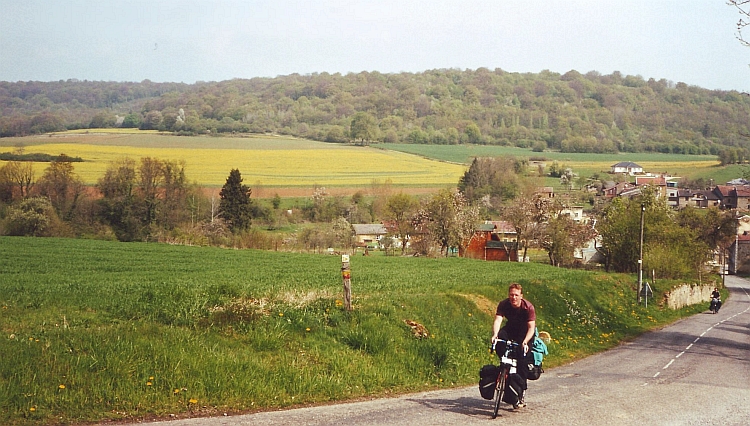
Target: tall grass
{"type": "Point", "coordinates": [95, 330]}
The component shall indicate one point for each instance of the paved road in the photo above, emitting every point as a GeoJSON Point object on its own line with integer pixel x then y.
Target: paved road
{"type": "Point", "coordinates": [694, 372]}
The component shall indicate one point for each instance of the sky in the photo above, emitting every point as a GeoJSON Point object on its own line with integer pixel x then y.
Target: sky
{"type": "Point", "coordinates": [690, 41]}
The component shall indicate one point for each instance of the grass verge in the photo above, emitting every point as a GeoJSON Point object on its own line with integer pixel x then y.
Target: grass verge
{"type": "Point", "coordinates": [94, 330]}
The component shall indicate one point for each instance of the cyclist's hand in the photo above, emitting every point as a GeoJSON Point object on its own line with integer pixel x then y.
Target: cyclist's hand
{"type": "Point", "coordinates": [525, 348]}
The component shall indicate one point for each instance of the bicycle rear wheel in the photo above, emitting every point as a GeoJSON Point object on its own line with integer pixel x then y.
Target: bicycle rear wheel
{"type": "Point", "coordinates": [500, 390]}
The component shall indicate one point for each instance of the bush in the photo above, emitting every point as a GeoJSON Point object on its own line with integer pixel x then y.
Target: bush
{"type": "Point", "coordinates": [35, 217]}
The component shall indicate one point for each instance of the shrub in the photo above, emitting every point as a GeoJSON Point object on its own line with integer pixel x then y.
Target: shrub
{"type": "Point", "coordinates": [34, 217]}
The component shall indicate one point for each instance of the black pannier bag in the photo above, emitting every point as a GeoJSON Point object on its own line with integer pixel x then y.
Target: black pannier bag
{"type": "Point", "coordinates": [533, 371]}
{"type": "Point", "coordinates": [487, 379]}
{"type": "Point", "coordinates": [514, 387]}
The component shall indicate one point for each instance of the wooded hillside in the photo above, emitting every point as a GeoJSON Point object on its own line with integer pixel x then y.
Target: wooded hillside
{"type": "Point", "coordinates": [572, 112]}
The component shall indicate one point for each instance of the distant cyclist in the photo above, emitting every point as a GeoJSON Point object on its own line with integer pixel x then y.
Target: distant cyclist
{"type": "Point", "coordinates": [715, 300]}
{"type": "Point", "coordinates": [521, 323]}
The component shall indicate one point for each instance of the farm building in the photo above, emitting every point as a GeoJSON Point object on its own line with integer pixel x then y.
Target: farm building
{"type": "Point", "coordinates": [486, 244]}
{"type": "Point", "coordinates": [368, 234]}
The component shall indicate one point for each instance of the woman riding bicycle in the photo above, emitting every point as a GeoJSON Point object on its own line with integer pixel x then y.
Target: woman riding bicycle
{"type": "Point", "coordinates": [521, 322]}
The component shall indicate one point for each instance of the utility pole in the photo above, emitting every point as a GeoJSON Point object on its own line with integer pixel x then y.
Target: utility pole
{"type": "Point", "coordinates": [640, 256]}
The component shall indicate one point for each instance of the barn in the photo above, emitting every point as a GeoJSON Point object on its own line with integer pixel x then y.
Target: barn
{"type": "Point", "coordinates": [486, 244]}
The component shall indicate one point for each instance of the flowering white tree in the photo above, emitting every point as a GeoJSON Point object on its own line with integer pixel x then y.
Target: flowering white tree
{"type": "Point", "coordinates": [449, 220]}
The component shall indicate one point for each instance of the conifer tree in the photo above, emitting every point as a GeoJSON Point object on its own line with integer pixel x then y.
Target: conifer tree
{"type": "Point", "coordinates": [235, 206]}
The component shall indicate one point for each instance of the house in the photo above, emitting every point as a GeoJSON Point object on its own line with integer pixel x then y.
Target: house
{"type": "Point", "coordinates": [369, 234]}
{"type": "Point", "coordinates": [545, 192]}
{"type": "Point", "coordinates": [661, 182]}
{"type": "Point", "coordinates": [627, 167]}
{"type": "Point", "coordinates": [733, 197]}
{"type": "Point", "coordinates": [680, 198]}
{"type": "Point", "coordinates": [589, 254]}
{"type": "Point", "coordinates": [743, 225]}
{"type": "Point", "coordinates": [739, 255]}
{"type": "Point", "coordinates": [612, 189]}
{"type": "Point", "coordinates": [504, 230]}
{"type": "Point", "coordinates": [575, 213]}
{"type": "Point", "coordinates": [485, 244]}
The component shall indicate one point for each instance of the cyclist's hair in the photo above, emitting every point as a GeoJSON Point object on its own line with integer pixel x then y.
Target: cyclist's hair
{"type": "Point", "coordinates": [516, 285]}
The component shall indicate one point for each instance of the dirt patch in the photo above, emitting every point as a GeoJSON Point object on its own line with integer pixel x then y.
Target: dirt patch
{"type": "Point", "coordinates": [484, 304]}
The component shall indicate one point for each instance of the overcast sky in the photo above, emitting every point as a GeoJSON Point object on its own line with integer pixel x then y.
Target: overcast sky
{"type": "Point", "coordinates": [691, 41]}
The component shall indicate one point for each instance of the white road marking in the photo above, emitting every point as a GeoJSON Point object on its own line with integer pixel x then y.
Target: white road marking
{"type": "Point", "coordinates": [701, 335]}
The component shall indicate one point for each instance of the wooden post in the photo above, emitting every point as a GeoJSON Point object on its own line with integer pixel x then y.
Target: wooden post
{"type": "Point", "coordinates": [346, 274]}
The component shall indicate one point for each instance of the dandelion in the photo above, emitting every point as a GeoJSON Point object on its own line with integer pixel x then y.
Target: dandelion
{"type": "Point", "coordinates": [148, 383]}
{"type": "Point", "coordinates": [281, 314]}
{"type": "Point", "coordinates": [339, 302]}
{"type": "Point", "coordinates": [61, 387]}
{"type": "Point", "coordinates": [307, 329]}
{"type": "Point", "coordinates": [193, 401]}
{"type": "Point", "coordinates": [176, 391]}
{"type": "Point", "coordinates": [469, 313]}
{"type": "Point", "coordinates": [151, 377]}
{"type": "Point", "coordinates": [32, 409]}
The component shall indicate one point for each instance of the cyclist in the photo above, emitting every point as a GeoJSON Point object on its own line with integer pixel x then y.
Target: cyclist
{"type": "Point", "coordinates": [715, 300]}
{"type": "Point", "coordinates": [521, 323]}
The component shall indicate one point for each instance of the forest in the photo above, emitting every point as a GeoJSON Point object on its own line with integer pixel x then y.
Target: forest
{"type": "Point", "coordinates": [570, 112]}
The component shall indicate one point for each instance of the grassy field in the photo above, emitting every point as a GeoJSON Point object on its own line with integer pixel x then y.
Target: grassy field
{"type": "Point", "coordinates": [263, 161]}
{"type": "Point", "coordinates": [95, 330]}
{"type": "Point", "coordinates": [692, 166]}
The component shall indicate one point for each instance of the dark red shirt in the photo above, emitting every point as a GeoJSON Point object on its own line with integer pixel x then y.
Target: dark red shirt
{"type": "Point", "coordinates": [518, 318]}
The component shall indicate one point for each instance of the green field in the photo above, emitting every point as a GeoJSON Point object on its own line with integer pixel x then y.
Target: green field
{"type": "Point", "coordinates": [692, 166]}
{"type": "Point", "coordinates": [96, 330]}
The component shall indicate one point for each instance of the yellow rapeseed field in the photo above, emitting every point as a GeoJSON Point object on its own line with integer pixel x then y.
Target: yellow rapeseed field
{"type": "Point", "coordinates": [262, 161]}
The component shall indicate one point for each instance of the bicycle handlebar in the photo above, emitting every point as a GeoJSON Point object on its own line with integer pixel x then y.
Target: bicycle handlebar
{"type": "Point", "coordinates": [509, 344]}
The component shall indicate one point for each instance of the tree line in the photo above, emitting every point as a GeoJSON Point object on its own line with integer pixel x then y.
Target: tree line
{"type": "Point", "coordinates": [152, 200]}
{"type": "Point", "coordinates": [570, 112]}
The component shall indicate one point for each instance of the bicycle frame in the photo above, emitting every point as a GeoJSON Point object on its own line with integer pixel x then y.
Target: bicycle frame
{"type": "Point", "coordinates": [508, 364]}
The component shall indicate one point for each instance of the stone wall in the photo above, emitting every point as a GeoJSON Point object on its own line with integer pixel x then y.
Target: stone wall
{"type": "Point", "coordinates": [687, 294]}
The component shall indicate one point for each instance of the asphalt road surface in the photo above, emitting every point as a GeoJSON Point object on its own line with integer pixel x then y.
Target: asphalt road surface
{"type": "Point", "coordinates": [694, 372]}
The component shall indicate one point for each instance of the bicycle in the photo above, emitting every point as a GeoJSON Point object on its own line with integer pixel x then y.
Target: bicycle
{"type": "Point", "coordinates": [508, 364]}
{"type": "Point", "coordinates": [715, 305]}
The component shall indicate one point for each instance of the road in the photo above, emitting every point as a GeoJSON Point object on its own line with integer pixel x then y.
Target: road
{"type": "Point", "coordinates": [694, 372]}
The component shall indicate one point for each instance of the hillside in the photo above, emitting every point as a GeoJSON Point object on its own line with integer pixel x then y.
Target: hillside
{"type": "Point", "coordinates": [572, 112]}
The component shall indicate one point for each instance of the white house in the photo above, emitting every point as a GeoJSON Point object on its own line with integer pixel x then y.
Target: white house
{"type": "Point", "coordinates": [627, 167]}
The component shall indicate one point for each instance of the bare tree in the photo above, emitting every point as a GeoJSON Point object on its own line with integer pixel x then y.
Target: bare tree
{"type": "Point", "coordinates": [21, 174]}
{"type": "Point", "coordinates": [743, 7]}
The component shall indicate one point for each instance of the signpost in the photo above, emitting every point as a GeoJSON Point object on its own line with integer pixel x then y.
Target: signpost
{"type": "Point", "coordinates": [646, 292]}
{"type": "Point", "coordinates": [346, 275]}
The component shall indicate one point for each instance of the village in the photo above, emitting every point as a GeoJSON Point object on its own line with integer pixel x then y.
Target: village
{"type": "Point", "coordinates": [496, 240]}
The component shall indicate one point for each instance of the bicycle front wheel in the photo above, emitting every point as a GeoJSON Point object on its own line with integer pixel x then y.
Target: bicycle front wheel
{"type": "Point", "coordinates": [500, 390]}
